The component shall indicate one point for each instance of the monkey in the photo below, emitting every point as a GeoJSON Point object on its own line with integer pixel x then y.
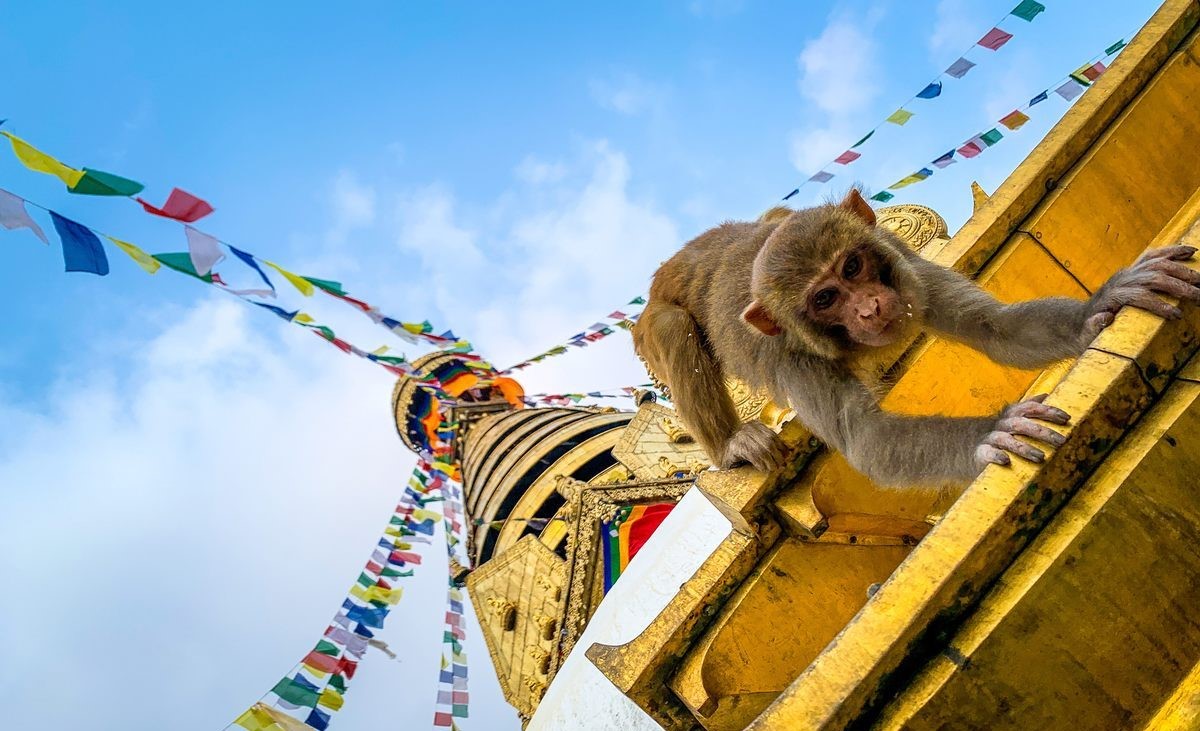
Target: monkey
{"type": "Point", "coordinates": [794, 302]}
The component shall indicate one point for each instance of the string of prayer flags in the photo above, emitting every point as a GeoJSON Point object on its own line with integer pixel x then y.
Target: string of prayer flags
{"type": "Point", "coordinates": [97, 182]}
{"type": "Point", "coordinates": [82, 250]}
{"type": "Point", "coordinates": [598, 331]}
{"type": "Point", "coordinates": [993, 40]}
{"type": "Point", "coordinates": [82, 182]}
{"type": "Point", "coordinates": [181, 206]}
{"type": "Point", "coordinates": [1070, 89]}
{"type": "Point", "coordinates": [453, 697]}
{"type": "Point", "coordinates": [566, 399]}
{"type": "Point", "coordinates": [13, 216]}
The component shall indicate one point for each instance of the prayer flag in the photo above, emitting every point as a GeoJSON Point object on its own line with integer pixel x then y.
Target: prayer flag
{"type": "Point", "coordinates": [321, 662]}
{"type": "Point", "coordinates": [338, 682]}
{"type": "Point", "coordinates": [181, 261]}
{"type": "Point", "coordinates": [1014, 119]}
{"type": "Point", "coordinates": [971, 149]}
{"type": "Point", "coordinates": [204, 250]}
{"type": "Point", "coordinates": [991, 137]}
{"type": "Point", "coordinates": [1028, 10]}
{"type": "Point", "coordinates": [300, 283]}
{"type": "Point", "coordinates": [331, 699]}
{"type": "Point", "coordinates": [248, 260]}
{"type": "Point", "coordinates": [442, 719]}
{"type": "Point", "coordinates": [906, 181]}
{"type": "Point", "coordinates": [1039, 98]}
{"type": "Point", "coordinates": [40, 162]}
{"type": "Point", "coordinates": [822, 177]}
{"type": "Point", "coordinates": [318, 720]}
{"type": "Point", "coordinates": [794, 192]}
{"type": "Point", "coordinates": [1070, 90]}
{"type": "Point", "coordinates": [460, 710]}
{"type": "Point", "coordinates": [1089, 73]}
{"type": "Point", "coordinates": [638, 301]}
{"type": "Point", "coordinates": [98, 182]}
{"type": "Point", "coordinates": [256, 719]}
{"type": "Point", "coordinates": [932, 91]}
{"type": "Point", "coordinates": [945, 160]}
{"type": "Point", "coordinates": [327, 648]}
{"type": "Point", "coordinates": [994, 39]}
{"type": "Point", "coordinates": [866, 137]}
{"type": "Point", "coordinates": [617, 315]}
{"type": "Point", "coordinates": [13, 215]}
{"type": "Point", "coordinates": [959, 68]}
{"type": "Point", "coordinates": [882, 196]}
{"type": "Point", "coordinates": [847, 157]}
{"type": "Point", "coordinates": [1114, 47]}
{"type": "Point", "coordinates": [181, 206]}
{"type": "Point", "coordinates": [144, 260]}
{"type": "Point", "coordinates": [82, 251]}
{"type": "Point", "coordinates": [900, 117]}
{"type": "Point", "coordinates": [298, 691]}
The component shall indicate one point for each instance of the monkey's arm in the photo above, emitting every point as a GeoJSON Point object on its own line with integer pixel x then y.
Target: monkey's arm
{"type": "Point", "coordinates": [671, 343]}
{"type": "Point", "coordinates": [899, 450]}
{"type": "Point", "coordinates": [1036, 333]}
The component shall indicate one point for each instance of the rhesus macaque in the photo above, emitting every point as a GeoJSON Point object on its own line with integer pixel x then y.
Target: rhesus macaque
{"type": "Point", "coordinates": [799, 300]}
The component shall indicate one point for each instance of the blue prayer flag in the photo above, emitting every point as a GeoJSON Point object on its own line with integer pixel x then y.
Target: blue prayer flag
{"type": "Point", "coordinates": [789, 195]}
{"type": "Point", "coordinates": [318, 720]}
{"type": "Point", "coordinates": [929, 92]}
{"type": "Point", "coordinates": [446, 676]}
{"type": "Point", "coordinates": [82, 250]}
{"type": "Point", "coordinates": [278, 311]}
{"type": "Point", "coordinates": [1039, 98]}
{"type": "Point", "coordinates": [250, 262]}
{"type": "Point", "coordinates": [460, 671]}
{"type": "Point", "coordinates": [369, 616]}
{"type": "Point", "coordinates": [456, 606]}
{"type": "Point", "coordinates": [362, 631]}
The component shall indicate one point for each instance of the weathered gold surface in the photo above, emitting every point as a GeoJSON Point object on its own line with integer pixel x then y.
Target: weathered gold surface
{"type": "Point", "coordinates": [916, 225]}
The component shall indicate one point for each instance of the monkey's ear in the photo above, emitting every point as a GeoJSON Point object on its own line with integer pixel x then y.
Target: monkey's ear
{"type": "Point", "coordinates": [757, 315]}
{"type": "Point", "coordinates": [855, 203]}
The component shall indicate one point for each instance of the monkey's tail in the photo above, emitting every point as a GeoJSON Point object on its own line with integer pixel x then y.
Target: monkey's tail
{"type": "Point", "coordinates": [669, 339]}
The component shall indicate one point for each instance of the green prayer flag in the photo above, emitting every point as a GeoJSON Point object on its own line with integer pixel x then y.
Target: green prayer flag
{"type": "Point", "coordinates": [325, 284]}
{"type": "Point", "coordinates": [98, 182]}
{"type": "Point", "coordinates": [181, 261]}
{"type": "Point", "coordinates": [395, 573]}
{"type": "Point", "coordinates": [1114, 47]}
{"type": "Point", "coordinates": [991, 137]}
{"type": "Point", "coordinates": [294, 693]}
{"type": "Point", "coordinates": [365, 580]}
{"type": "Point", "coordinates": [1028, 9]}
{"type": "Point", "coordinates": [325, 647]}
{"type": "Point", "coordinates": [396, 520]}
{"type": "Point", "coordinates": [637, 301]}
{"type": "Point", "coordinates": [459, 710]}
{"type": "Point", "coordinates": [338, 683]}
{"type": "Point", "coordinates": [324, 331]}
{"type": "Point", "coordinates": [882, 196]}
{"type": "Point", "coordinates": [391, 359]}
{"type": "Point", "coordinates": [864, 139]}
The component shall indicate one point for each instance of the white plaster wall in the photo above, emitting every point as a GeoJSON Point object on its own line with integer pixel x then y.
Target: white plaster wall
{"type": "Point", "coordinates": [581, 697]}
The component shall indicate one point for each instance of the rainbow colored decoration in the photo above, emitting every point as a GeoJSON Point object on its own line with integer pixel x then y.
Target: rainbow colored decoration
{"type": "Point", "coordinates": [625, 534]}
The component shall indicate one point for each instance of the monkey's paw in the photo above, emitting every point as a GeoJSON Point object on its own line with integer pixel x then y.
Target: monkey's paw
{"type": "Point", "coordinates": [1019, 419]}
{"type": "Point", "coordinates": [755, 444]}
{"type": "Point", "coordinates": [1157, 272]}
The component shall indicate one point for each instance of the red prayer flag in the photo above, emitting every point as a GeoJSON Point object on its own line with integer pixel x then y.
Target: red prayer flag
{"type": "Point", "coordinates": [374, 567]}
{"type": "Point", "coordinates": [994, 39]}
{"type": "Point", "coordinates": [617, 315]}
{"type": "Point", "coordinates": [1093, 72]}
{"type": "Point", "coordinates": [847, 157]}
{"type": "Point", "coordinates": [441, 718]}
{"type": "Point", "coordinates": [347, 667]}
{"type": "Point", "coordinates": [181, 205]}
{"type": "Point", "coordinates": [969, 150]}
{"type": "Point", "coordinates": [322, 662]}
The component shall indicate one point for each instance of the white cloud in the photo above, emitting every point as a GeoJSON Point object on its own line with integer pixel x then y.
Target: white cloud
{"type": "Point", "coordinates": [537, 171]}
{"type": "Point", "coordinates": [626, 94]}
{"type": "Point", "coordinates": [353, 203]}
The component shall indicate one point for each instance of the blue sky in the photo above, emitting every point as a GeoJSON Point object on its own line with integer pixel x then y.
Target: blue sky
{"type": "Point", "coordinates": [190, 487]}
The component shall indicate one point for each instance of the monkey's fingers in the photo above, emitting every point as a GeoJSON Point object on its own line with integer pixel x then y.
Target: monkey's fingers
{"type": "Point", "coordinates": [1034, 409]}
{"type": "Point", "coordinates": [1009, 443]}
{"type": "Point", "coordinates": [1179, 253]}
{"type": "Point", "coordinates": [1094, 325]}
{"type": "Point", "coordinates": [1175, 269]}
{"type": "Point", "coordinates": [1030, 428]}
{"type": "Point", "coordinates": [1147, 300]}
{"type": "Point", "coordinates": [986, 454]}
{"type": "Point", "coordinates": [1173, 286]}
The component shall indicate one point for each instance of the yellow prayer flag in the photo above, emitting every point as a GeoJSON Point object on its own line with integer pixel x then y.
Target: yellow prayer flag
{"type": "Point", "coordinates": [1014, 119]}
{"type": "Point", "coordinates": [283, 722]}
{"type": "Point", "coordinates": [256, 719]}
{"type": "Point", "coordinates": [36, 160]}
{"type": "Point", "coordinates": [144, 260]}
{"type": "Point", "coordinates": [330, 698]}
{"type": "Point", "coordinates": [391, 531]}
{"type": "Point", "coordinates": [415, 328]}
{"type": "Point", "coordinates": [316, 672]}
{"type": "Point", "coordinates": [358, 591]}
{"type": "Point", "coordinates": [379, 594]}
{"type": "Point", "coordinates": [900, 117]}
{"type": "Point", "coordinates": [306, 287]}
{"type": "Point", "coordinates": [402, 546]}
{"type": "Point", "coordinates": [380, 350]}
{"type": "Point", "coordinates": [303, 318]}
{"type": "Point", "coordinates": [421, 515]}
{"type": "Point", "coordinates": [904, 182]}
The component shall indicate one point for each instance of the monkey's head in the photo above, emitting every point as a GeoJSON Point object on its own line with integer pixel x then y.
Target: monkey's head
{"type": "Point", "coordinates": [827, 278]}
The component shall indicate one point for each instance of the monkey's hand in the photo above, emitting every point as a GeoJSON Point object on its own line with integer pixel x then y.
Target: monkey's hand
{"type": "Point", "coordinates": [755, 444]}
{"type": "Point", "coordinates": [1019, 419]}
{"type": "Point", "coordinates": [1156, 272]}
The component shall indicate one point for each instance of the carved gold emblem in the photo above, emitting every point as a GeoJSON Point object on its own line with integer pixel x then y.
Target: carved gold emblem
{"type": "Point", "coordinates": [915, 225]}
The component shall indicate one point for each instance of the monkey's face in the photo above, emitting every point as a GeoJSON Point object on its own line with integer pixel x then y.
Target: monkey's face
{"type": "Point", "coordinates": [855, 299]}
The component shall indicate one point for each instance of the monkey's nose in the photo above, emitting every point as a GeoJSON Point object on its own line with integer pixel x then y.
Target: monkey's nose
{"type": "Point", "coordinates": [870, 309]}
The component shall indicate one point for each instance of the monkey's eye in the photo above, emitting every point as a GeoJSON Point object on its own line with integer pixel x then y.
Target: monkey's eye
{"type": "Point", "coordinates": [852, 267]}
{"type": "Point", "coordinates": [824, 298]}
